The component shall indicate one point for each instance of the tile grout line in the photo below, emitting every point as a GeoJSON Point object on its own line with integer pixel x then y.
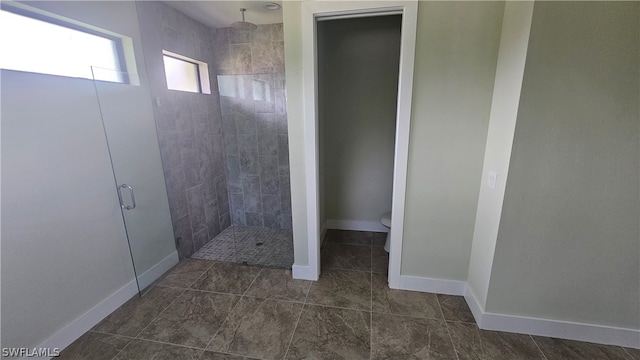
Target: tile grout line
{"type": "Point", "coordinates": [222, 324]}
{"type": "Point", "coordinates": [357, 309]}
{"type": "Point", "coordinates": [627, 352]}
{"type": "Point", "coordinates": [154, 319]}
{"type": "Point", "coordinates": [351, 270]}
{"type": "Point", "coordinates": [110, 334]}
{"type": "Point", "coordinates": [174, 300]}
{"type": "Point", "coordinates": [365, 310]}
{"type": "Point", "coordinates": [460, 322]}
{"type": "Point", "coordinates": [189, 287]}
{"type": "Point", "coordinates": [407, 316]}
{"type": "Point", "coordinates": [167, 343]}
{"type": "Point", "coordinates": [198, 290]}
{"type": "Point", "coordinates": [137, 337]}
{"type": "Point", "coordinates": [132, 339]}
{"type": "Point", "coordinates": [253, 281]}
{"type": "Point", "coordinates": [537, 346]}
{"type": "Point", "coordinates": [455, 351]}
{"type": "Point", "coordinates": [232, 309]}
{"type": "Point", "coordinates": [160, 313]}
{"type": "Point", "coordinates": [336, 307]}
{"type": "Point", "coordinates": [293, 333]}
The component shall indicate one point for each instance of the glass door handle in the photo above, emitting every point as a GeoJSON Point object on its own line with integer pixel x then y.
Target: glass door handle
{"type": "Point", "coordinates": [133, 198]}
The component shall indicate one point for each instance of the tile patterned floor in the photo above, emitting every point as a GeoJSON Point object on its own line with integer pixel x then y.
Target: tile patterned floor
{"type": "Point", "coordinates": [208, 310]}
{"type": "Point", "coordinates": [240, 244]}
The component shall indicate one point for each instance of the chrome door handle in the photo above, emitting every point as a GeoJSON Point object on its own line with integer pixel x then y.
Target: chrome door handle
{"type": "Point", "coordinates": [133, 198]}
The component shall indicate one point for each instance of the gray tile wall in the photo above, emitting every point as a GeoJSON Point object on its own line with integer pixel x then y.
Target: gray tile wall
{"type": "Point", "coordinates": [189, 128]}
{"type": "Point", "coordinates": [250, 69]}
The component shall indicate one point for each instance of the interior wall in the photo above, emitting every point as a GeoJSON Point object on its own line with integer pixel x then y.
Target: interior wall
{"type": "Point", "coordinates": [189, 128]}
{"type": "Point", "coordinates": [250, 71]}
{"type": "Point", "coordinates": [64, 248]}
{"type": "Point", "coordinates": [292, 27]}
{"type": "Point", "coordinates": [514, 43]}
{"type": "Point", "coordinates": [567, 245]}
{"type": "Point", "coordinates": [358, 63]}
{"type": "Point", "coordinates": [456, 55]}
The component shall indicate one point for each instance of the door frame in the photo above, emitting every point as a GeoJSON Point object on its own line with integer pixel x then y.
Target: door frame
{"type": "Point", "coordinates": [316, 11]}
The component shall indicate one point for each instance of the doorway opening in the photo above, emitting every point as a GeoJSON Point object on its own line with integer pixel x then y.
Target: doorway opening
{"type": "Point", "coordinates": [314, 13]}
{"type": "Point", "coordinates": [358, 62]}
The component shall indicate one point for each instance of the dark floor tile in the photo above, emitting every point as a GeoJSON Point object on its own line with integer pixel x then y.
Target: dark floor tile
{"type": "Point", "coordinates": [226, 277]}
{"type": "Point", "coordinates": [402, 302]}
{"type": "Point", "coordinates": [400, 337]}
{"type": "Point", "coordinates": [330, 333]}
{"type": "Point", "coordinates": [473, 343]}
{"type": "Point", "coordinates": [561, 349]}
{"type": "Point", "coordinates": [346, 257]}
{"type": "Point", "coordinates": [466, 340]}
{"type": "Point", "coordinates": [378, 238]}
{"type": "Point", "coordinates": [635, 353]}
{"type": "Point", "coordinates": [346, 289]}
{"type": "Point", "coordinates": [349, 237]}
{"type": "Point", "coordinates": [280, 285]}
{"type": "Point", "coordinates": [94, 346]}
{"type": "Point", "coordinates": [147, 350]}
{"type": "Point", "coordinates": [210, 355]}
{"type": "Point", "coordinates": [258, 328]}
{"type": "Point", "coordinates": [185, 273]}
{"type": "Point", "coordinates": [455, 308]}
{"type": "Point", "coordinates": [379, 260]}
{"type": "Point", "coordinates": [192, 319]}
{"type": "Point", "coordinates": [137, 313]}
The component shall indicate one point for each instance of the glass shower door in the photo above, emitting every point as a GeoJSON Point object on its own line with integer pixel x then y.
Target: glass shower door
{"type": "Point", "coordinates": [130, 130]}
{"type": "Point", "coordinates": [63, 241]}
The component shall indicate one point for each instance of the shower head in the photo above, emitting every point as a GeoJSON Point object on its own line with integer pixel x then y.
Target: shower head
{"type": "Point", "coordinates": [243, 25]}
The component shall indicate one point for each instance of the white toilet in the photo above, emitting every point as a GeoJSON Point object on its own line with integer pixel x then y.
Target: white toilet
{"type": "Point", "coordinates": [385, 220]}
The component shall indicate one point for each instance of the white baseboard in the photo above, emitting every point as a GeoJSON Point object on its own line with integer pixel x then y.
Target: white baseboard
{"type": "Point", "coordinates": [148, 277]}
{"type": "Point", "coordinates": [439, 286]}
{"type": "Point", "coordinates": [357, 225]}
{"type": "Point", "coordinates": [599, 334]}
{"type": "Point", "coordinates": [302, 272]}
{"type": "Point", "coordinates": [68, 334]}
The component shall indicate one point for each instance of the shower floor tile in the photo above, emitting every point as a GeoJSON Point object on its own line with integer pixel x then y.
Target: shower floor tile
{"type": "Point", "coordinates": [252, 245]}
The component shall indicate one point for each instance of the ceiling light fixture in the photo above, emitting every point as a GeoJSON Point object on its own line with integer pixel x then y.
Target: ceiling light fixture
{"type": "Point", "coordinates": [271, 6]}
{"type": "Point", "coordinates": [243, 25]}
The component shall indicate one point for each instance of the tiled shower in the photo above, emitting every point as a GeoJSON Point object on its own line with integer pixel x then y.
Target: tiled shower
{"type": "Point", "coordinates": [254, 119]}
{"type": "Point", "coordinates": [225, 155]}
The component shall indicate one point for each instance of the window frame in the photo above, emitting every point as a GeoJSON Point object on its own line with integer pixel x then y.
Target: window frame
{"type": "Point", "coordinates": [203, 74]}
{"type": "Point", "coordinates": [182, 58]}
{"type": "Point", "coordinates": [117, 41]}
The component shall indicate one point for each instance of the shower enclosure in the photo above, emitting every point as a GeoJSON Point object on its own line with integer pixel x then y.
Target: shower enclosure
{"type": "Point", "coordinates": [255, 135]}
{"type": "Point", "coordinates": [254, 127]}
{"type": "Point", "coordinates": [87, 157]}
{"type": "Point", "coordinates": [224, 154]}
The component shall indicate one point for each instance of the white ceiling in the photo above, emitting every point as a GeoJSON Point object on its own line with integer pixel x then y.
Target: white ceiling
{"type": "Point", "coordinates": [217, 14]}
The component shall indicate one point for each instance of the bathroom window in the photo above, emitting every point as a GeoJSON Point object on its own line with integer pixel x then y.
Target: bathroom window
{"type": "Point", "coordinates": [33, 42]}
{"type": "Point", "coordinates": [186, 74]}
